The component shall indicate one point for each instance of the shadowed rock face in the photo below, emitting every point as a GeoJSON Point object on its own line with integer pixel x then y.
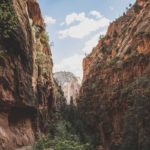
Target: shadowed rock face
{"type": "Point", "coordinates": [114, 97]}
{"type": "Point", "coordinates": [70, 85]}
{"type": "Point", "coordinates": [26, 82]}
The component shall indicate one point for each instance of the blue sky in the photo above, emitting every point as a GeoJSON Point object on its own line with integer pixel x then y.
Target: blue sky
{"type": "Point", "coordinates": [75, 25]}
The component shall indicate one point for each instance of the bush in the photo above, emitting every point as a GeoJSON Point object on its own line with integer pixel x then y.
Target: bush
{"type": "Point", "coordinates": [64, 139]}
{"type": "Point", "coordinates": [137, 119]}
{"type": "Point", "coordinates": [78, 126]}
{"type": "Point", "coordinates": [129, 50]}
{"type": "Point", "coordinates": [136, 124]}
{"type": "Point", "coordinates": [1, 54]}
{"type": "Point", "coordinates": [58, 144]}
{"type": "Point", "coordinates": [137, 8]}
{"type": "Point", "coordinates": [8, 19]}
{"type": "Point", "coordinates": [44, 37]}
{"type": "Point", "coordinates": [114, 61]}
{"type": "Point", "coordinates": [130, 133]}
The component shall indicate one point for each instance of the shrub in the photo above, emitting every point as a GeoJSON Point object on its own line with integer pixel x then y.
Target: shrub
{"type": "Point", "coordinates": [64, 139]}
{"type": "Point", "coordinates": [130, 133]}
{"type": "Point", "coordinates": [1, 54]}
{"type": "Point", "coordinates": [142, 81]}
{"type": "Point", "coordinates": [58, 144]}
{"type": "Point", "coordinates": [44, 37]}
{"type": "Point", "coordinates": [101, 37]}
{"type": "Point", "coordinates": [41, 58]}
{"type": "Point", "coordinates": [8, 19]}
{"type": "Point", "coordinates": [137, 8]}
{"type": "Point", "coordinates": [74, 117]}
{"type": "Point", "coordinates": [129, 50]}
{"type": "Point", "coordinates": [136, 124]}
{"type": "Point", "coordinates": [114, 61]}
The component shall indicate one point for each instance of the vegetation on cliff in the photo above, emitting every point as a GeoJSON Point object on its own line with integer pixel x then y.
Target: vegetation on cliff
{"type": "Point", "coordinates": [26, 82]}
{"type": "Point", "coordinates": [113, 106]}
{"type": "Point", "coordinates": [8, 19]}
{"type": "Point", "coordinates": [114, 97]}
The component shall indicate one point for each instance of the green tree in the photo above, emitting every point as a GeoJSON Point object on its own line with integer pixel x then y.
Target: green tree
{"type": "Point", "coordinates": [8, 19]}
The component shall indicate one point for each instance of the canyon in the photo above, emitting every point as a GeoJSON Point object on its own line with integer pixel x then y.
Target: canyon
{"type": "Point", "coordinates": [114, 97]}
{"type": "Point", "coordinates": [110, 107]}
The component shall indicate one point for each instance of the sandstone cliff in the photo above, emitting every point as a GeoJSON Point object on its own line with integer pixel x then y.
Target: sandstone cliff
{"type": "Point", "coordinates": [70, 85]}
{"type": "Point", "coordinates": [114, 97]}
{"type": "Point", "coordinates": [26, 82]}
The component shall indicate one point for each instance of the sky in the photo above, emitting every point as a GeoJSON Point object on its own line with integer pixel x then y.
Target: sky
{"type": "Point", "coordinates": [74, 27]}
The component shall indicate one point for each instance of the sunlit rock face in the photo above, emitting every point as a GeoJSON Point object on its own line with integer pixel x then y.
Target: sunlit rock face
{"type": "Point", "coordinates": [26, 82]}
{"type": "Point", "coordinates": [141, 2]}
{"type": "Point", "coordinates": [70, 85]}
{"type": "Point", "coordinates": [114, 96]}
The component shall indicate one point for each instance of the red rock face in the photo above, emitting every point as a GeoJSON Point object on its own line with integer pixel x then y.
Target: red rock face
{"type": "Point", "coordinates": [86, 63]}
{"type": "Point", "coordinates": [117, 82]}
{"type": "Point", "coordinates": [26, 82]}
{"type": "Point", "coordinates": [34, 13]}
{"type": "Point", "coordinates": [141, 2]}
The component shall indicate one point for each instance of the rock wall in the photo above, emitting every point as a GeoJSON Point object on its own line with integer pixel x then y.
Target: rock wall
{"type": "Point", "coordinates": [114, 97]}
{"type": "Point", "coordinates": [26, 82]}
{"type": "Point", "coordinates": [70, 85]}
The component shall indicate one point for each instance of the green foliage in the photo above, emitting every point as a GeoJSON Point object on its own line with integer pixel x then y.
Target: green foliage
{"type": "Point", "coordinates": [42, 60]}
{"type": "Point", "coordinates": [137, 120]}
{"type": "Point", "coordinates": [130, 5]}
{"type": "Point", "coordinates": [67, 132]}
{"type": "Point", "coordinates": [73, 116]}
{"type": "Point", "coordinates": [63, 139]}
{"type": "Point", "coordinates": [58, 144]}
{"type": "Point", "coordinates": [44, 37]}
{"type": "Point", "coordinates": [130, 133]}
{"type": "Point", "coordinates": [129, 50]}
{"type": "Point", "coordinates": [1, 54]}
{"type": "Point", "coordinates": [42, 143]}
{"type": "Point", "coordinates": [140, 86]}
{"type": "Point", "coordinates": [142, 81]}
{"type": "Point", "coordinates": [93, 85]}
{"type": "Point", "coordinates": [144, 34]}
{"type": "Point", "coordinates": [114, 61]}
{"type": "Point", "coordinates": [8, 19]}
{"type": "Point", "coordinates": [101, 37]}
{"type": "Point", "coordinates": [137, 8]}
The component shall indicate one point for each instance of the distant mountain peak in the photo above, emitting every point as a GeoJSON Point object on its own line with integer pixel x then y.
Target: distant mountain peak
{"type": "Point", "coordinates": [69, 83]}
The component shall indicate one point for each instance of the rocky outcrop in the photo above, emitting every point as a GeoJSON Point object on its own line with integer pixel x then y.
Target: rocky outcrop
{"type": "Point", "coordinates": [114, 97]}
{"type": "Point", "coordinates": [26, 82]}
{"type": "Point", "coordinates": [70, 85]}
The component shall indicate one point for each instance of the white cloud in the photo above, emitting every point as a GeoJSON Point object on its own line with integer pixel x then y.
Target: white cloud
{"type": "Point", "coordinates": [49, 20]}
{"type": "Point", "coordinates": [96, 14]}
{"type": "Point", "coordinates": [86, 25]}
{"type": "Point", "coordinates": [71, 18]}
{"type": "Point", "coordinates": [71, 64]}
{"type": "Point", "coordinates": [92, 42]}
